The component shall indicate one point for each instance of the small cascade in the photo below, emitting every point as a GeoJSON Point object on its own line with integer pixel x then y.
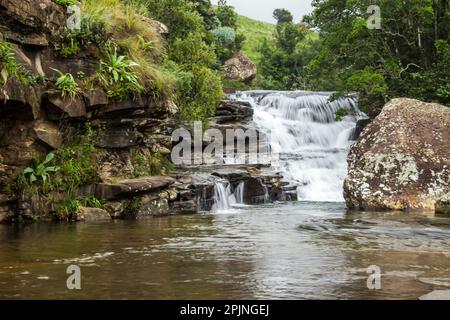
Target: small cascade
{"type": "Point", "coordinates": [239, 193]}
{"type": "Point", "coordinates": [311, 147]}
{"type": "Point", "coordinates": [224, 199]}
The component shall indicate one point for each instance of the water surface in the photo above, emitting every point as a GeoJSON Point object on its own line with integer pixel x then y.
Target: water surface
{"type": "Point", "coordinates": [282, 251]}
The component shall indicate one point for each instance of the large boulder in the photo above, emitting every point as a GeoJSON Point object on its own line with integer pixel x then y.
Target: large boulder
{"type": "Point", "coordinates": [240, 68]}
{"type": "Point", "coordinates": [402, 159]}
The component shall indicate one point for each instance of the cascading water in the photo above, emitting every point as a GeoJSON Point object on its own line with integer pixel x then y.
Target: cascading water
{"type": "Point", "coordinates": [311, 146]}
{"type": "Point", "coordinates": [224, 199]}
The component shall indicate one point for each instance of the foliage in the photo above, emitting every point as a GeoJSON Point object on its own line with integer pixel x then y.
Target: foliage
{"type": "Point", "coordinates": [122, 28]}
{"type": "Point", "coordinates": [256, 32]}
{"type": "Point", "coordinates": [226, 15]}
{"type": "Point", "coordinates": [65, 2]}
{"type": "Point", "coordinates": [408, 56]}
{"type": "Point", "coordinates": [283, 16]}
{"type": "Point", "coordinates": [191, 62]}
{"type": "Point", "coordinates": [9, 68]}
{"type": "Point", "coordinates": [77, 162]}
{"type": "Point", "coordinates": [283, 64]}
{"type": "Point", "coordinates": [41, 170]}
{"type": "Point", "coordinates": [224, 36]}
{"type": "Point", "coordinates": [340, 114]}
{"type": "Point", "coordinates": [67, 208]}
{"type": "Point", "coordinates": [153, 165]}
{"type": "Point", "coordinates": [118, 77]}
{"type": "Point", "coordinates": [66, 84]}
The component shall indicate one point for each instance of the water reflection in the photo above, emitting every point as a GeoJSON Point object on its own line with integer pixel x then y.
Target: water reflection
{"type": "Point", "coordinates": [289, 251]}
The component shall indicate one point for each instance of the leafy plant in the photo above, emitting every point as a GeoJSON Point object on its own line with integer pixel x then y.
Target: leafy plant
{"type": "Point", "coordinates": [67, 208]}
{"type": "Point", "coordinates": [118, 77]}
{"type": "Point", "coordinates": [41, 170]}
{"type": "Point", "coordinates": [69, 50]}
{"type": "Point", "coordinates": [340, 114]}
{"type": "Point", "coordinates": [9, 68]}
{"type": "Point", "coordinates": [66, 83]}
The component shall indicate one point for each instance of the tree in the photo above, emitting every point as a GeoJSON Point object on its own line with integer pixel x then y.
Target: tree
{"type": "Point", "coordinates": [283, 16]}
{"type": "Point", "coordinates": [404, 58]}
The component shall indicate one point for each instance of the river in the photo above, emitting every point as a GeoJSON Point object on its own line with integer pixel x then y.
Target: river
{"type": "Point", "coordinates": [310, 249]}
{"type": "Point", "coordinates": [284, 251]}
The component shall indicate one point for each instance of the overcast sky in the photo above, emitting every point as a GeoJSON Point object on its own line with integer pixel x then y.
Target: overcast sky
{"type": "Point", "coordinates": [263, 9]}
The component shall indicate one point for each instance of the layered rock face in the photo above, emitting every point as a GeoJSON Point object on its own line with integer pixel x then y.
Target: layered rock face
{"type": "Point", "coordinates": [402, 159]}
{"type": "Point", "coordinates": [35, 119]}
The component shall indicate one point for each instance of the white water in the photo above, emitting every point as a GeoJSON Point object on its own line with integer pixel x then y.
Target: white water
{"type": "Point", "coordinates": [311, 148]}
{"type": "Point", "coordinates": [224, 199]}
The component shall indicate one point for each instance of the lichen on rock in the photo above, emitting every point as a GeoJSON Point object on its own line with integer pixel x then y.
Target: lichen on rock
{"type": "Point", "coordinates": [402, 159]}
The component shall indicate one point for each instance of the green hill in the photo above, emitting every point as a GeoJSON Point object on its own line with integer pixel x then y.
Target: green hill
{"type": "Point", "coordinates": [256, 32]}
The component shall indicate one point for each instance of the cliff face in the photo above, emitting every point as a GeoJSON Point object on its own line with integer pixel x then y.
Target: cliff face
{"type": "Point", "coordinates": [402, 159]}
{"type": "Point", "coordinates": [36, 120]}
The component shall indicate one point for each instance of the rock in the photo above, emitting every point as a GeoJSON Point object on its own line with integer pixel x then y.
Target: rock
{"type": "Point", "coordinates": [402, 159]}
{"type": "Point", "coordinates": [30, 23]}
{"type": "Point", "coordinates": [240, 68]}
{"type": "Point", "coordinates": [360, 125]}
{"type": "Point", "coordinates": [92, 214]}
{"type": "Point", "coordinates": [59, 107]}
{"type": "Point", "coordinates": [19, 101]}
{"type": "Point", "coordinates": [48, 133]}
{"type": "Point", "coordinates": [254, 191]}
{"type": "Point", "coordinates": [119, 138]}
{"type": "Point", "coordinates": [151, 206]}
{"type": "Point", "coordinates": [233, 111]}
{"type": "Point", "coordinates": [95, 98]}
{"type": "Point", "coordinates": [185, 207]}
{"type": "Point", "coordinates": [127, 188]}
{"type": "Point", "coordinates": [443, 205]}
{"type": "Point", "coordinates": [436, 295]}
{"type": "Point", "coordinates": [157, 25]}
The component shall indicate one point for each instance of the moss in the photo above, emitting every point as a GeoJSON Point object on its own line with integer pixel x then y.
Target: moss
{"type": "Point", "coordinates": [153, 165]}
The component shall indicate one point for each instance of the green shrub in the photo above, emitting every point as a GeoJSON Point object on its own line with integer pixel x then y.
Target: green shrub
{"type": "Point", "coordinates": [66, 83]}
{"type": "Point", "coordinates": [77, 162]}
{"type": "Point", "coordinates": [118, 77]}
{"type": "Point", "coordinates": [41, 171]}
{"type": "Point", "coordinates": [224, 36]}
{"type": "Point", "coordinates": [154, 165]}
{"type": "Point", "coordinates": [67, 208]}
{"type": "Point", "coordinates": [9, 68]}
{"type": "Point", "coordinates": [340, 114]}
{"type": "Point", "coordinates": [65, 2]}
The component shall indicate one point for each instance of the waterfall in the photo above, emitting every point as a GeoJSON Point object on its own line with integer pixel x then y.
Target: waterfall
{"type": "Point", "coordinates": [239, 193]}
{"type": "Point", "coordinates": [224, 199]}
{"type": "Point", "coordinates": [311, 146]}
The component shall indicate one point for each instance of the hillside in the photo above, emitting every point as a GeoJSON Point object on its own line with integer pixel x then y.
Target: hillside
{"type": "Point", "coordinates": [256, 32]}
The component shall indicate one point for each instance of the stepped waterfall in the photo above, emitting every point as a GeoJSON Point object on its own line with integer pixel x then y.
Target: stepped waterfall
{"type": "Point", "coordinates": [309, 145]}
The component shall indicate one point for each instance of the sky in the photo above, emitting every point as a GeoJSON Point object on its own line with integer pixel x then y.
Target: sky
{"type": "Point", "coordinates": [263, 9]}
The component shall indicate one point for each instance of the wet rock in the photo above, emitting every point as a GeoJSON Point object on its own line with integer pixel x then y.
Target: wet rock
{"type": "Point", "coordinates": [48, 133]}
{"type": "Point", "coordinates": [402, 159]}
{"type": "Point", "coordinates": [240, 68]}
{"type": "Point", "coordinates": [129, 188]}
{"type": "Point", "coordinates": [254, 191]}
{"type": "Point", "coordinates": [443, 205]}
{"type": "Point", "coordinates": [152, 206]}
{"type": "Point", "coordinates": [360, 125]}
{"type": "Point", "coordinates": [184, 207]}
{"type": "Point", "coordinates": [92, 214]}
